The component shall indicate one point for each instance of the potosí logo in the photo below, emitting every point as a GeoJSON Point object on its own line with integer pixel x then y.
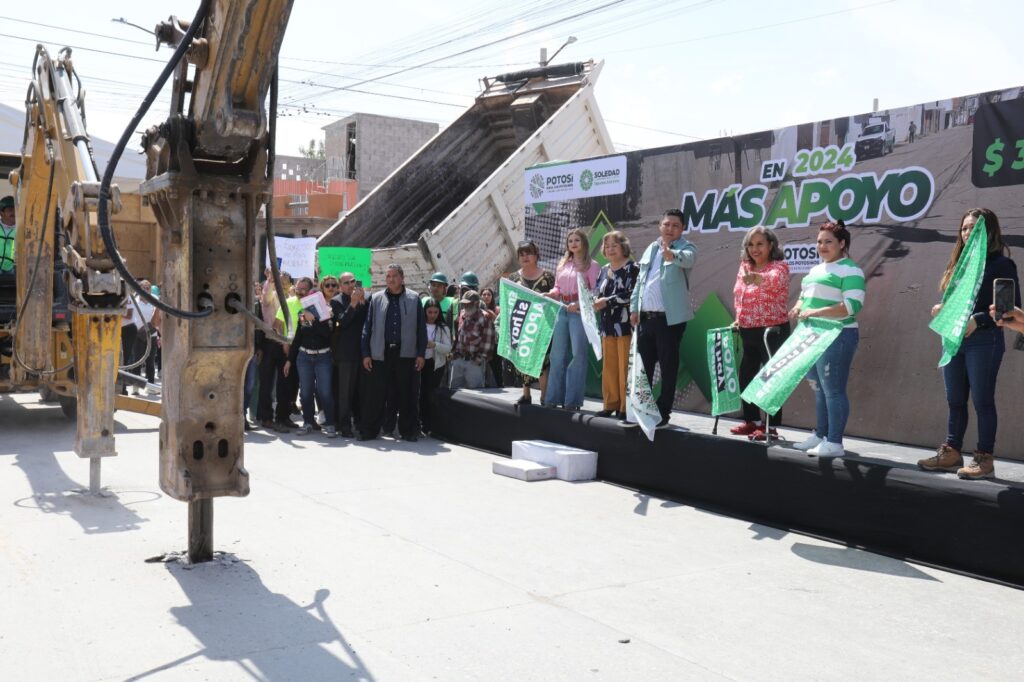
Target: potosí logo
{"type": "Point", "coordinates": [800, 252]}
{"type": "Point", "coordinates": [586, 180]}
{"type": "Point", "coordinates": [904, 194]}
{"type": "Point", "coordinates": [559, 182]}
{"type": "Point", "coordinates": [537, 186]}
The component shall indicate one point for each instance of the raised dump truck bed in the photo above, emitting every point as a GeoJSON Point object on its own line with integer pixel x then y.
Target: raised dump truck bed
{"type": "Point", "coordinates": [457, 204]}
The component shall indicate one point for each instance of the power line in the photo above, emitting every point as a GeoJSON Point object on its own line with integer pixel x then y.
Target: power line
{"type": "Point", "coordinates": [656, 130]}
{"type": "Point", "coordinates": [755, 28]}
{"type": "Point", "coordinates": [599, 8]}
{"type": "Point", "coordinates": [86, 49]}
{"type": "Point", "coordinates": [395, 66]}
{"type": "Point", "coordinates": [79, 31]}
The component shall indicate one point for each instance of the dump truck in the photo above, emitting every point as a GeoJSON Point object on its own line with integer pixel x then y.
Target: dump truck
{"type": "Point", "coordinates": [457, 203]}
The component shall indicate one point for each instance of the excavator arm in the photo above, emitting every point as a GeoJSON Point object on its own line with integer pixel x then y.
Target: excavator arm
{"type": "Point", "coordinates": [206, 182]}
{"type": "Point", "coordinates": [57, 188]}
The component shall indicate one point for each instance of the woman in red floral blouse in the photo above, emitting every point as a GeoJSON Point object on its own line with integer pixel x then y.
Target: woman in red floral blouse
{"type": "Point", "coordinates": [761, 297]}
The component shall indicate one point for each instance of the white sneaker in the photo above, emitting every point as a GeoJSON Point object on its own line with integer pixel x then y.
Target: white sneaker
{"type": "Point", "coordinates": [826, 449]}
{"type": "Point", "coordinates": [810, 442]}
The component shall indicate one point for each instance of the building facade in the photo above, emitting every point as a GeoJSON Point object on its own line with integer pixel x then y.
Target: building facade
{"type": "Point", "coordinates": [367, 148]}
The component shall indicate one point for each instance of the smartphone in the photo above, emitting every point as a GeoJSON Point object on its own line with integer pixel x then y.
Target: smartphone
{"type": "Point", "coordinates": [1003, 296]}
{"type": "Point", "coordinates": [359, 284]}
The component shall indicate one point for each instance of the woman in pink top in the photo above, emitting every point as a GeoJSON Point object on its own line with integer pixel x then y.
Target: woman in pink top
{"type": "Point", "coordinates": [761, 296]}
{"type": "Point", "coordinates": [568, 374]}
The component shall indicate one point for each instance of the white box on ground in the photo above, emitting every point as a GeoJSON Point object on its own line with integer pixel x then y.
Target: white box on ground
{"type": "Point", "coordinates": [571, 464]}
{"type": "Point", "coordinates": [523, 469]}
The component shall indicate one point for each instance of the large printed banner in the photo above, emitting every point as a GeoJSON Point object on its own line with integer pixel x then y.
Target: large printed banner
{"type": "Point", "coordinates": [578, 180]}
{"type": "Point", "coordinates": [899, 194]}
{"type": "Point", "coordinates": [900, 178]}
{"type": "Point", "coordinates": [998, 155]}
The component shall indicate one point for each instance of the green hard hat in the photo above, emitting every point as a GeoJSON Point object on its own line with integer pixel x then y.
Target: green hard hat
{"type": "Point", "coordinates": [439, 277]}
{"type": "Point", "coordinates": [7, 202]}
{"type": "Point", "coordinates": [469, 279]}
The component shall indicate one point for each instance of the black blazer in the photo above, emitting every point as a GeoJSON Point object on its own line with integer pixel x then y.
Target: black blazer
{"type": "Point", "coordinates": [348, 328]}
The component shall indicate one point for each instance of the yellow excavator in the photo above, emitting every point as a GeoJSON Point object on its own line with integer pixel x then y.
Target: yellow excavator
{"type": "Point", "coordinates": [61, 307]}
{"type": "Point", "coordinates": [206, 181]}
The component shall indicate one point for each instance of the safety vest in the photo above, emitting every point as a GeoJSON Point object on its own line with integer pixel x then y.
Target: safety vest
{"type": "Point", "coordinates": [6, 248]}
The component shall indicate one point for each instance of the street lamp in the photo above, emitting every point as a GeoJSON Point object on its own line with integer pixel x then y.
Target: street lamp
{"type": "Point", "coordinates": [544, 61]}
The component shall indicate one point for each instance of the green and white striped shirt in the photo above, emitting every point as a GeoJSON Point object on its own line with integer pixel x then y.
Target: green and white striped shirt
{"type": "Point", "coordinates": [826, 284]}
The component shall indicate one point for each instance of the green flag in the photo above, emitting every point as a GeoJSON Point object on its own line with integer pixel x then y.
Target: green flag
{"type": "Point", "coordinates": [961, 292]}
{"type": "Point", "coordinates": [640, 406]}
{"type": "Point", "coordinates": [526, 323]}
{"type": "Point", "coordinates": [777, 379]}
{"type": "Point", "coordinates": [589, 315]}
{"type": "Point", "coordinates": [725, 383]}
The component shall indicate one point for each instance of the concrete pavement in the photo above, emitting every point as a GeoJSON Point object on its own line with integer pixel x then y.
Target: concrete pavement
{"type": "Point", "coordinates": [413, 562]}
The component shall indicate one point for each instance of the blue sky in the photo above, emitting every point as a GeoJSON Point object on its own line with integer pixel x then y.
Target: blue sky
{"type": "Point", "coordinates": [674, 71]}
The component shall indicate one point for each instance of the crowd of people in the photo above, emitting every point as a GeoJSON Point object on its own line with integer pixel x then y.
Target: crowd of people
{"type": "Point", "coordinates": [371, 366]}
{"type": "Point", "coordinates": [835, 289]}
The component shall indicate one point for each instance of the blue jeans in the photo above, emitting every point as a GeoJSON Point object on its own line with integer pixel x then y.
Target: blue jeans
{"type": "Point", "coordinates": [972, 372]}
{"type": "Point", "coordinates": [315, 373]}
{"type": "Point", "coordinates": [250, 383]}
{"type": "Point", "coordinates": [568, 374]}
{"type": "Point", "coordinates": [828, 379]}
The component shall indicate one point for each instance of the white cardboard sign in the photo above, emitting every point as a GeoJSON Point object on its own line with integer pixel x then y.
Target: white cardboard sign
{"type": "Point", "coordinates": [297, 257]}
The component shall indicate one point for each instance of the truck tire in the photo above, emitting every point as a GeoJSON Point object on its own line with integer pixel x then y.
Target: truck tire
{"type": "Point", "coordinates": [47, 394]}
{"type": "Point", "coordinates": [68, 405]}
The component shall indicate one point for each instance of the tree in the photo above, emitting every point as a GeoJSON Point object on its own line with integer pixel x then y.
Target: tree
{"type": "Point", "coordinates": [315, 150]}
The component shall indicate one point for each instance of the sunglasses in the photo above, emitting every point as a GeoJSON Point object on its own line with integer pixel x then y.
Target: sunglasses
{"type": "Point", "coordinates": [330, 285]}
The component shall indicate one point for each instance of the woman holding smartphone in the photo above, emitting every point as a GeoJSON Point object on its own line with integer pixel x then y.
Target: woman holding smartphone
{"type": "Point", "coordinates": [974, 369]}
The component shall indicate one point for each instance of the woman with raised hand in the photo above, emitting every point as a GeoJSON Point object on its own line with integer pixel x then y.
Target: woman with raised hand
{"type": "Point", "coordinates": [834, 290]}
{"type": "Point", "coordinates": [975, 367]}
{"type": "Point", "coordinates": [614, 289]}
{"type": "Point", "coordinates": [568, 374]}
{"type": "Point", "coordinates": [760, 297]}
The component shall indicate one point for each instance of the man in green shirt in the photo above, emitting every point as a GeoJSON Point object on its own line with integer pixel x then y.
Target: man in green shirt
{"type": "Point", "coordinates": [288, 386]}
{"type": "Point", "coordinates": [7, 230]}
{"type": "Point", "coordinates": [302, 288]}
{"type": "Point", "coordinates": [438, 289]}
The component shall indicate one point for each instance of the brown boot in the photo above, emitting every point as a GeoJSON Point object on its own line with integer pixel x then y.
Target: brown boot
{"type": "Point", "coordinates": [981, 467]}
{"type": "Point", "coordinates": [946, 458]}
